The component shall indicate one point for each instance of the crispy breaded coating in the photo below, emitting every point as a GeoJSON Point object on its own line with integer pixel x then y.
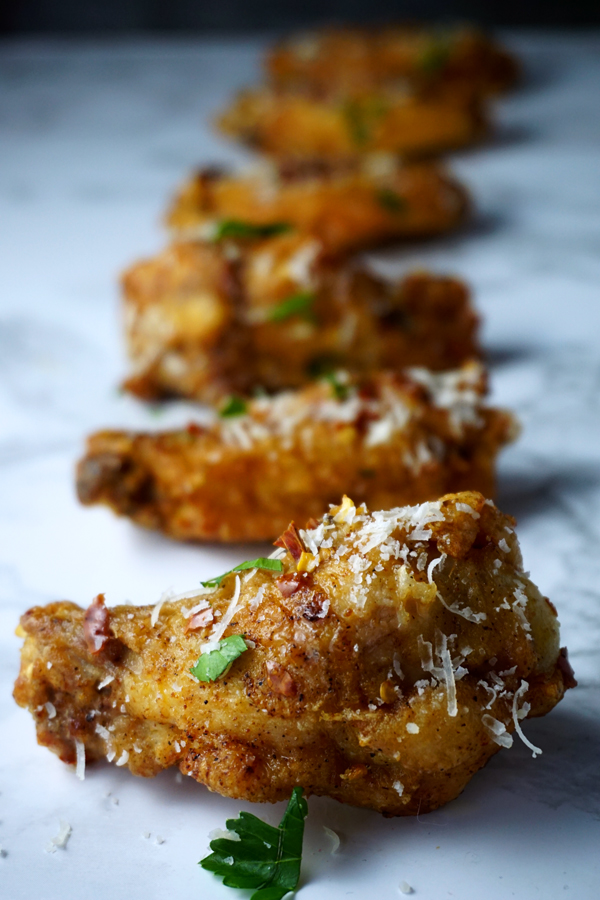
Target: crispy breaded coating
{"type": "Point", "coordinates": [353, 61]}
{"type": "Point", "coordinates": [299, 126]}
{"type": "Point", "coordinates": [347, 207]}
{"type": "Point", "coordinates": [387, 661]}
{"type": "Point", "coordinates": [388, 440]}
{"type": "Point", "coordinates": [206, 319]}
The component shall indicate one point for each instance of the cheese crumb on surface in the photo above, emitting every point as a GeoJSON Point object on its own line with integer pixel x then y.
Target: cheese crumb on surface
{"type": "Point", "coordinates": [412, 728]}
{"type": "Point", "coordinates": [334, 838]}
{"type": "Point", "coordinates": [405, 888]}
{"type": "Point", "coordinates": [61, 839]}
{"type": "Point", "coordinates": [50, 709]}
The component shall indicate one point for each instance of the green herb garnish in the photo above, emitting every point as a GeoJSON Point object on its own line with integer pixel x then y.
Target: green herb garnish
{"type": "Point", "coordinates": [233, 406]}
{"type": "Point", "coordinates": [362, 117]}
{"type": "Point", "coordinates": [391, 201]}
{"type": "Point", "coordinates": [355, 120]}
{"type": "Point", "coordinates": [211, 665]}
{"type": "Point", "coordinates": [236, 228]}
{"type": "Point", "coordinates": [300, 304]}
{"type": "Point", "coordinates": [275, 565]}
{"type": "Point", "coordinates": [340, 390]}
{"type": "Point", "coordinates": [265, 859]}
{"type": "Point", "coordinates": [435, 56]}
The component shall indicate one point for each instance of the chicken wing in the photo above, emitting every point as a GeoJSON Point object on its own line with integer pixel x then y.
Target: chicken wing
{"type": "Point", "coordinates": [347, 207]}
{"type": "Point", "coordinates": [389, 439]}
{"type": "Point", "coordinates": [382, 659]}
{"type": "Point", "coordinates": [354, 61]}
{"type": "Point", "coordinates": [206, 319]}
{"type": "Point", "coordinates": [398, 121]}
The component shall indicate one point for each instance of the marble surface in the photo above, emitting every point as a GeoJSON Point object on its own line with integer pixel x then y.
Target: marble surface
{"type": "Point", "coordinates": [93, 138]}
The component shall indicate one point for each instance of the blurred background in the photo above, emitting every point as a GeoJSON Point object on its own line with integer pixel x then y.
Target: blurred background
{"type": "Point", "coordinates": [126, 16]}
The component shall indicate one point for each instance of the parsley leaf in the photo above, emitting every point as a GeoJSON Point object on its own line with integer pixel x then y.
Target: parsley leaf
{"type": "Point", "coordinates": [435, 56]}
{"type": "Point", "coordinates": [264, 859]}
{"type": "Point", "coordinates": [275, 565]}
{"type": "Point", "coordinates": [300, 304]}
{"type": "Point", "coordinates": [233, 406]}
{"type": "Point", "coordinates": [339, 389]}
{"type": "Point", "coordinates": [236, 228]}
{"type": "Point", "coordinates": [212, 664]}
{"type": "Point", "coordinates": [355, 120]}
{"type": "Point", "coordinates": [391, 201]}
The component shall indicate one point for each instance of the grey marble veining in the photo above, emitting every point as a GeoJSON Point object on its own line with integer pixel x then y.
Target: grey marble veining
{"type": "Point", "coordinates": [93, 139]}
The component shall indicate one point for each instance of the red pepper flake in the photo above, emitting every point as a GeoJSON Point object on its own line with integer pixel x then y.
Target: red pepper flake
{"type": "Point", "coordinates": [95, 625]}
{"type": "Point", "coordinates": [200, 620]}
{"type": "Point", "coordinates": [279, 679]}
{"type": "Point", "coordinates": [194, 429]}
{"type": "Point", "coordinates": [315, 607]}
{"type": "Point", "coordinates": [290, 541]}
{"type": "Point", "coordinates": [288, 584]}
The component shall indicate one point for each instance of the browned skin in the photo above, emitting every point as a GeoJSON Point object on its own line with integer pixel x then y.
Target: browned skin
{"type": "Point", "coordinates": [292, 125]}
{"type": "Point", "coordinates": [354, 61]}
{"type": "Point", "coordinates": [199, 324]}
{"type": "Point", "coordinates": [210, 484]}
{"type": "Point", "coordinates": [343, 206]}
{"type": "Point", "coordinates": [324, 697]}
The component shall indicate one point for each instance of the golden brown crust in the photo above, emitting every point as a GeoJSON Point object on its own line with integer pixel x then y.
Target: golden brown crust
{"type": "Point", "coordinates": [202, 325]}
{"type": "Point", "coordinates": [388, 693]}
{"type": "Point", "coordinates": [391, 440]}
{"type": "Point", "coordinates": [345, 206]}
{"type": "Point", "coordinates": [289, 125]}
{"type": "Point", "coordinates": [356, 60]}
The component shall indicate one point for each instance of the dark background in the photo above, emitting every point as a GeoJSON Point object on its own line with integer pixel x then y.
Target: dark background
{"type": "Point", "coordinates": [195, 16]}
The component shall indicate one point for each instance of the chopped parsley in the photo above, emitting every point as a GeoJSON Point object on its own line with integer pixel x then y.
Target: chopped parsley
{"type": "Point", "coordinates": [211, 665]}
{"type": "Point", "coordinates": [275, 565]}
{"type": "Point", "coordinates": [300, 304]}
{"type": "Point", "coordinates": [233, 406]}
{"type": "Point", "coordinates": [435, 56]}
{"type": "Point", "coordinates": [391, 201]}
{"type": "Point", "coordinates": [362, 116]}
{"type": "Point", "coordinates": [236, 228]}
{"type": "Point", "coordinates": [355, 120]}
{"type": "Point", "coordinates": [339, 389]}
{"type": "Point", "coordinates": [264, 859]}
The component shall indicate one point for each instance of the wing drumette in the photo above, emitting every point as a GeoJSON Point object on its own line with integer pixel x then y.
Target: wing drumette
{"type": "Point", "coordinates": [206, 319]}
{"type": "Point", "coordinates": [347, 206]}
{"type": "Point", "coordinates": [355, 61]}
{"type": "Point", "coordinates": [389, 120]}
{"type": "Point", "coordinates": [390, 657]}
{"type": "Point", "coordinates": [389, 439]}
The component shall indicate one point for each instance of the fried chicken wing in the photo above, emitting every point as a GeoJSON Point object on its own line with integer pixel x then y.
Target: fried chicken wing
{"type": "Point", "coordinates": [388, 439]}
{"type": "Point", "coordinates": [347, 207]}
{"type": "Point", "coordinates": [386, 661]}
{"type": "Point", "coordinates": [354, 61]}
{"type": "Point", "coordinates": [207, 319]}
{"type": "Point", "coordinates": [398, 121]}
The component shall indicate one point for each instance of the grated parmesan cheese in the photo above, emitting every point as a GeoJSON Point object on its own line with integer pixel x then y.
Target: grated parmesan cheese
{"type": "Point", "coordinates": [61, 839]}
{"type": "Point", "coordinates": [105, 681]}
{"type": "Point", "coordinates": [334, 838]}
{"type": "Point", "coordinates": [516, 711]}
{"type": "Point", "coordinates": [50, 709]}
{"type": "Point", "coordinates": [497, 731]}
{"type": "Point", "coordinates": [80, 760]}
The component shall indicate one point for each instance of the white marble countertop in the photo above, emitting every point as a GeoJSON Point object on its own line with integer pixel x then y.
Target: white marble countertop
{"type": "Point", "coordinates": [93, 138]}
